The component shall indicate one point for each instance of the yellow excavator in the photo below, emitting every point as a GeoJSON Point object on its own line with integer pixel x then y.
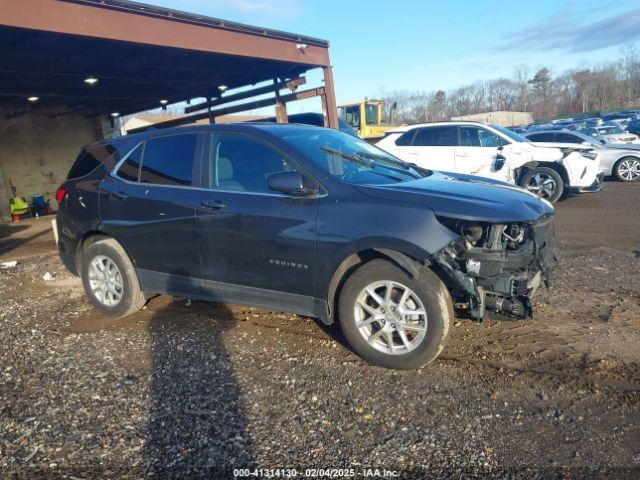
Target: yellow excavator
{"type": "Point", "coordinates": [366, 117]}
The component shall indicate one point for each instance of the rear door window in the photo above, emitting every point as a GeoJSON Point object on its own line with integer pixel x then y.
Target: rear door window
{"type": "Point", "coordinates": [169, 160]}
{"type": "Point", "coordinates": [406, 139]}
{"type": "Point", "coordinates": [444, 136]}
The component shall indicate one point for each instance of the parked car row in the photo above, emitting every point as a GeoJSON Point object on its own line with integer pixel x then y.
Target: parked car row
{"type": "Point", "coordinates": [615, 128]}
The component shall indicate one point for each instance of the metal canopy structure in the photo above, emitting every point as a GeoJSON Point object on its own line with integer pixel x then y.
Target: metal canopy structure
{"type": "Point", "coordinates": [141, 55]}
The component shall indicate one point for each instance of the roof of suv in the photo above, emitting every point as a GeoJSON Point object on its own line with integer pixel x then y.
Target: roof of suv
{"type": "Point", "coordinates": [405, 128]}
{"type": "Point", "coordinates": [236, 127]}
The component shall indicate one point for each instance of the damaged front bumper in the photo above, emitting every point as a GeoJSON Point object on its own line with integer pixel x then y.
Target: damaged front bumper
{"type": "Point", "coordinates": [498, 267]}
{"type": "Point", "coordinates": [596, 186]}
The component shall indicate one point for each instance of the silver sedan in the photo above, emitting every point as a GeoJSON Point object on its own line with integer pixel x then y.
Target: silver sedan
{"type": "Point", "coordinates": [617, 160]}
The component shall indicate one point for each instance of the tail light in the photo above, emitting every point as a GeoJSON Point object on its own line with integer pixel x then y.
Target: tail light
{"type": "Point", "coordinates": [60, 194]}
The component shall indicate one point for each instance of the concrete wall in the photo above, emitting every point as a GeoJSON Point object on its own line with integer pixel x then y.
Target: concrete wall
{"type": "Point", "coordinates": [36, 152]}
{"type": "Point", "coordinates": [502, 118]}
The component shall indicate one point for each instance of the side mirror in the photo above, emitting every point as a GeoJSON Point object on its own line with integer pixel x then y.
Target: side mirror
{"type": "Point", "coordinates": [500, 161]}
{"type": "Point", "coordinates": [291, 183]}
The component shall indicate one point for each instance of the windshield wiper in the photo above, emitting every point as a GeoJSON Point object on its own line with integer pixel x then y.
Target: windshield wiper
{"type": "Point", "coordinates": [348, 156]}
{"type": "Point", "coordinates": [357, 159]}
{"type": "Point", "coordinates": [394, 164]}
{"type": "Point", "coordinates": [386, 160]}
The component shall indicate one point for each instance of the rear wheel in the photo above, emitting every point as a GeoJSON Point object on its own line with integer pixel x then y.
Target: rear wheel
{"type": "Point", "coordinates": [109, 279]}
{"type": "Point", "coordinates": [544, 182]}
{"type": "Point", "coordinates": [627, 169]}
{"type": "Point", "coordinates": [392, 319]}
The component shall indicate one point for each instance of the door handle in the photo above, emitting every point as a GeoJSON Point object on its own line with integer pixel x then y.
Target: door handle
{"type": "Point", "coordinates": [119, 194]}
{"type": "Point", "coordinates": [462, 154]}
{"type": "Point", "coordinates": [217, 205]}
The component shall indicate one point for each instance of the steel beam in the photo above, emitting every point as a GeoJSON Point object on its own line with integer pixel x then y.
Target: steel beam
{"type": "Point", "coordinates": [290, 84]}
{"type": "Point", "coordinates": [314, 92]}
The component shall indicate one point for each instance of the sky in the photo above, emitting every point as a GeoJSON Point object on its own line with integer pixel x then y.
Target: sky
{"type": "Point", "coordinates": [430, 45]}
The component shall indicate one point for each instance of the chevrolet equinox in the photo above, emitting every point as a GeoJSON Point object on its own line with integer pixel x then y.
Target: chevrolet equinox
{"type": "Point", "coordinates": [306, 220]}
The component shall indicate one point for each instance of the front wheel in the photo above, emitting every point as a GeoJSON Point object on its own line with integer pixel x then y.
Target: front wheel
{"type": "Point", "coordinates": [393, 320]}
{"type": "Point", "coordinates": [627, 169]}
{"type": "Point", "coordinates": [544, 182]}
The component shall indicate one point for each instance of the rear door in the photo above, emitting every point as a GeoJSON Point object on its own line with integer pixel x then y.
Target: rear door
{"type": "Point", "coordinates": [251, 236]}
{"type": "Point", "coordinates": [477, 151]}
{"type": "Point", "coordinates": [433, 148]}
{"type": "Point", "coordinates": [148, 204]}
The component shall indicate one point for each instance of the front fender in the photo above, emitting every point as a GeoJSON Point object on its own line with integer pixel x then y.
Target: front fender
{"type": "Point", "coordinates": [375, 224]}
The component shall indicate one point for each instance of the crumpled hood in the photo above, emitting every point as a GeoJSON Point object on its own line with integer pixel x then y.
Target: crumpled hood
{"type": "Point", "coordinates": [466, 197]}
{"type": "Point", "coordinates": [539, 151]}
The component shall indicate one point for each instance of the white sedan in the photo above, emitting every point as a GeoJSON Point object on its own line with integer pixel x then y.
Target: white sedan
{"type": "Point", "coordinates": [612, 134]}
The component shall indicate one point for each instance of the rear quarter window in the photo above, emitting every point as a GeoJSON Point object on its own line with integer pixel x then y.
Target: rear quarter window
{"type": "Point", "coordinates": [84, 164]}
{"type": "Point", "coordinates": [92, 157]}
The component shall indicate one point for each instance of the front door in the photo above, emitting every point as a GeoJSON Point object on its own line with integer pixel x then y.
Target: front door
{"type": "Point", "coordinates": [149, 206]}
{"type": "Point", "coordinates": [477, 152]}
{"type": "Point", "coordinates": [251, 236]}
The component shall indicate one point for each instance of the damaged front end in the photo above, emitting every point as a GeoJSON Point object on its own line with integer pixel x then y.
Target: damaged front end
{"type": "Point", "coordinates": [497, 267]}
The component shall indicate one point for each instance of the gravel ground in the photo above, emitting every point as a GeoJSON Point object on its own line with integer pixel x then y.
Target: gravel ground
{"type": "Point", "coordinates": [193, 389]}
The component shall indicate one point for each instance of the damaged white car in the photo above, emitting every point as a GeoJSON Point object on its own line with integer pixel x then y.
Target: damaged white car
{"type": "Point", "coordinates": [491, 151]}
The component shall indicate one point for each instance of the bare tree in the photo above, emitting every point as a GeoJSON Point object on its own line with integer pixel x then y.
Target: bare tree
{"type": "Point", "coordinates": [588, 89]}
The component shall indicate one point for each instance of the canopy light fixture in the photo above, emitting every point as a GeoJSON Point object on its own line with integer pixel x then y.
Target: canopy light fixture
{"type": "Point", "coordinates": [223, 88]}
{"type": "Point", "coordinates": [33, 99]}
{"type": "Point", "coordinates": [164, 101]}
{"type": "Point", "coordinates": [91, 80]}
{"type": "Point", "coordinates": [115, 114]}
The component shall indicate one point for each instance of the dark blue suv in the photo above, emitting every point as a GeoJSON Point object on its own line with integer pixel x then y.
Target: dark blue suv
{"type": "Point", "coordinates": [301, 219]}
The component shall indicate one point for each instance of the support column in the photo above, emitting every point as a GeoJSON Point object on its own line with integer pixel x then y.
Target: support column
{"type": "Point", "coordinates": [329, 100]}
{"type": "Point", "coordinates": [281, 107]}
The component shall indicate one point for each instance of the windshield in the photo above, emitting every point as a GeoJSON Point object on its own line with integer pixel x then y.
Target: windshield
{"type": "Point", "coordinates": [608, 130]}
{"type": "Point", "coordinates": [371, 114]}
{"type": "Point", "coordinates": [350, 159]}
{"type": "Point", "coordinates": [516, 137]}
{"type": "Point", "coordinates": [351, 115]}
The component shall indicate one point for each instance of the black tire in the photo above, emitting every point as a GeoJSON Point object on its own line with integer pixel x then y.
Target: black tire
{"type": "Point", "coordinates": [625, 175]}
{"type": "Point", "coordinates": [133, 299]}
{"type": "Point", "coordinates": [543, 172]}
{"type": "Point", "coordinates": [432, 293]}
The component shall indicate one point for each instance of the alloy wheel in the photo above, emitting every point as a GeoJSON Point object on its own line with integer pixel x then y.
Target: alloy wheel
{"type": "Point", "coordinates": [629, 169]}
{"type": "Point", "coordinates": [105, 281]}
{"type": "Point", "coordinates": [390, 317]}
{"type": "Point", "coordinates": [543, 185]}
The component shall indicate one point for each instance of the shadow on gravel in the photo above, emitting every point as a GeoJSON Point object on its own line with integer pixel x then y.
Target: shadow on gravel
{"type": "Point", "coordinates": [9, 239]}
{"type": "Point", "coordinates": [196, 425]}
